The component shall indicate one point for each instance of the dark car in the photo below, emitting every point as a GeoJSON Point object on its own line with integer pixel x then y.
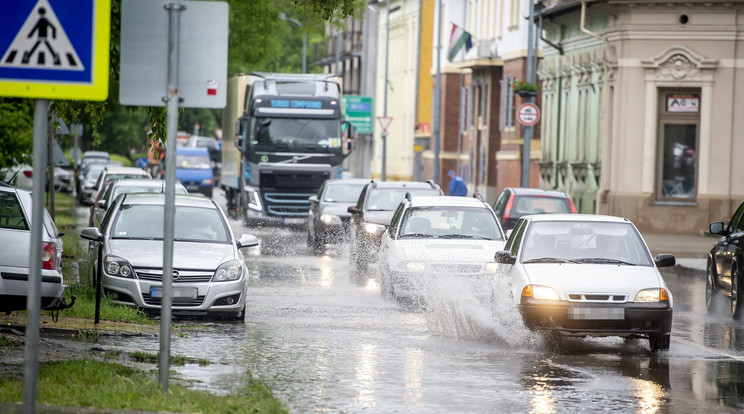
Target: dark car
{"type": "Point", "coordinates": [515, 202]}
{"type": "Point", "coordinates": [372, 214]}
{"type": "Point", "coordinates": [328, 217]}
{"type": "Point", "coordinates": [725, 263]}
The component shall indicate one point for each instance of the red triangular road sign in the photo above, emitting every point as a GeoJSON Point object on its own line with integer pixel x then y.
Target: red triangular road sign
{"type": "Point", "coordinates": [384, 122]}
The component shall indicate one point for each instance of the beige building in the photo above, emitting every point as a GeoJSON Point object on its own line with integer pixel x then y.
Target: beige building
{"type": "Point", "coordinates": [662, 82]}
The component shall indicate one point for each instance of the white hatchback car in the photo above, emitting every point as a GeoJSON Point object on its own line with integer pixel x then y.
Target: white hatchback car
{"type": "Point", "coordinates": [587, 275]}
{"type": "Point", "coordinates": [434, 239]}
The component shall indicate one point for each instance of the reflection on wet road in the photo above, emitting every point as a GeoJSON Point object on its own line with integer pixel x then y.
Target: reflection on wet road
{"type": "Point", "coordinates": [325, 344]}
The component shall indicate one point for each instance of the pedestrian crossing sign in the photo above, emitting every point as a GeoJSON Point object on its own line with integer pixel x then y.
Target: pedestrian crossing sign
{"type": "Point", "coordinates": [55, 49]}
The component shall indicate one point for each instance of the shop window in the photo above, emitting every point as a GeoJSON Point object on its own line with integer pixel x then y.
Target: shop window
{"type": "Point", "coordinates": [679, 129]}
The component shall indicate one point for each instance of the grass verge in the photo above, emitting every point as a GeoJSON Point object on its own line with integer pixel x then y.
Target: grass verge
{"type": "Point", "coordinates": [80, 383]}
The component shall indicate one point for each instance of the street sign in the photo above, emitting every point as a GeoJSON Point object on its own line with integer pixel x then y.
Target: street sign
{"type": "Point", "coordinates": [358, 110]}
{"type": "Point", "coordinates": [202, 62]}
{"type": "Point", "coordinates": [528, 114]}
{"type": "Point", "coordinates": [55, 50]}
{"type": "Point", "coordinates": [384, 122]}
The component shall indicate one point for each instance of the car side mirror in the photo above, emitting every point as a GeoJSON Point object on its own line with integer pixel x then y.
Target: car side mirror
{"type": "Point", "coordinates": [313, 199]}
{"type": "Point", "coordinates": [716, 227]}
{"type": "Point", "coordinates": [504, 257]}
{"type": "Point", "coordinates": [352, 210]}
{"type": "Point", "coordinates": [102, 204]}
{"type": "Point", "coordinates": [665, 260]}
{"type": "Point", "coordinates": [92, 234]}
{"type": "Point", "coordinates": [247, 240]}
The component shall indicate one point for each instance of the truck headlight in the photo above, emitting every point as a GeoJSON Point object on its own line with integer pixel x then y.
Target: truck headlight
{"type": "Point", "coordinates": [228, 271]}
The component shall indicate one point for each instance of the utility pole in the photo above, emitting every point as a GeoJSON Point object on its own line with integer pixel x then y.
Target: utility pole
{"type": "Point", "coordinates": [437, 94]}
{"type": "Point", "coordinates": [528, 130]}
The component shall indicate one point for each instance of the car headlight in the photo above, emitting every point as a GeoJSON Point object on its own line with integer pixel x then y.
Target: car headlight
{"type": "Point", "coordinates": [207, 181]}
{"type": "Point", "coordinates": [415, 266]}
{"type": "Point", "coordinates": [117, 266]}
{"type": "Point", "coordinates": [330, 219]}
{"type": "Point", "coordinates": [652, 295]}
{"type": "Point", "coordinates": [490, 267]}
{"type": "Point", "coordinates": [373, 228]}
{"type": "Point", "coordinates": [228, 271]}
{"type": "Point", "coordinates": [540, 292]}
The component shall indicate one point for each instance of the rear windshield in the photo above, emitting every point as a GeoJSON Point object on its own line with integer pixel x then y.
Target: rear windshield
{"type": "Point", "coordinates": [387, 199]}
{"type": "Point", "coordinates": [526, 205]}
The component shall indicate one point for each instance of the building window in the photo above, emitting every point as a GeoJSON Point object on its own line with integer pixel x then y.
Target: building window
{"type": "Point", "coordinates": [679, 129]}
{"type": "Point", "coordinates": [483, 104]}
{"type": "Point", "coordinates": [506, 108]}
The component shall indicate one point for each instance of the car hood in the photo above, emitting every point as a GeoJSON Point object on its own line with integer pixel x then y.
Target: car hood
{"type": "Point", "coordinates": [186, 255]}
{"type": "Point", "coordinates": [594, 278]}
{"type": "Point", "coordinates": [379, 217]}
{"type": "Point", "coordinates": [446, 250]}
{"type": "Point", "coordinates": [337, 209]}
{"type": "Point", "coordinates": [193, 174]}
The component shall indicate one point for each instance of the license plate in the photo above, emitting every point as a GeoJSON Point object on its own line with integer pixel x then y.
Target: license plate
{"type": "Point", "coordinates": [178, 292]}
{"type": "Point", "coordinates": [598, 313]}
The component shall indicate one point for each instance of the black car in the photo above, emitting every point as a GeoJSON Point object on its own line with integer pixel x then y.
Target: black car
{"type": "Point", "coordinates": [328, 217]}
{"type": "Point", "coordinates": [725, 263]}
{"type": "Point", "coordinates": [515, 202]}
{"type": "Point", "coordinates": [372, 214]}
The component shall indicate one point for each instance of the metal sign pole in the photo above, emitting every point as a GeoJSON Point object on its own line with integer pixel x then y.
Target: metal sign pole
{"type": "Point", "coordinates": [33, 301]}
{"type": "Point", "coordinates": [174, 16]}
{"type": "Point", "coordinates": [529, 130]}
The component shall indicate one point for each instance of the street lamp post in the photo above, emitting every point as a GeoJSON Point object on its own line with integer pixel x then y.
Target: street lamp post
{"type": "Point", "coordinates": [284, 16]}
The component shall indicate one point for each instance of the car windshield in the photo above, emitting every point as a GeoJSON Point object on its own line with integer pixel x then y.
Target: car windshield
{"type": "Point", "coordinates": [145, 221]}
{"type": "Point", "coordinates": [450, 223]}
{"type": "Point", "coordinates": [196, 162]}
{"type": "Point", "coordinates": [387, 199]}
{"type": "Point", "coordinates": [322, 135]}
{"type": "Point", "coordinates": [584, 242]}
{"type": "Point", "coordinates": [342, 193]}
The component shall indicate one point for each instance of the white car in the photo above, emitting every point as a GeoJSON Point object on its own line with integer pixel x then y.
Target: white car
{"type": "Point", "coordinates": [587, 275]}
{"type": "Point", "coordinates": [438, 240]}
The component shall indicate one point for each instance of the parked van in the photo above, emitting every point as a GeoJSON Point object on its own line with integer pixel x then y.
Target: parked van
{"type": "Point", "coordinates": [194, 170]}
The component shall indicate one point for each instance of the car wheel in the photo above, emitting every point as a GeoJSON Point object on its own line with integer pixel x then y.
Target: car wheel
{"type": "Point", "coordinates": [386, 288]}
{"type": "Point", "coordinates": [358, 265]}
{"type": "Point", "coordinates": [711, 294]}
{"type": "Point", "coordinates": [316, 246]}
{"type": "Point", "coordinates": [659, 342]}
{"type": "Point", "coordinates": [735, 293]}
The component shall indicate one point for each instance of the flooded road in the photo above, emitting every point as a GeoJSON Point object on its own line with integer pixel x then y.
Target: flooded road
{"type": "Point", "coordinates": [327, 345]}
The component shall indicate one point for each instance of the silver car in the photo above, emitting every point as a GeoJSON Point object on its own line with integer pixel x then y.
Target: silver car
{"type": "Point", "coordinates": [15, 239]}
{"type": "Point", "coordinates": [108, 193]}
{"type": "Point", "coordinates": [209, 272]}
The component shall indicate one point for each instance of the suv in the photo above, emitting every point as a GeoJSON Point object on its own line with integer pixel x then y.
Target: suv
{"type": "Point", "coordinates": [437, 243]}
{"type": "Point", "coordinates": [15, 237]}
{"type": "Point", "coordinates": [372, 214]}
{"type": "Point", "coordinates": [515, 202]}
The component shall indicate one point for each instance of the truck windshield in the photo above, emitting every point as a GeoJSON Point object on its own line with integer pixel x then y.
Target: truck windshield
{"type": "Point", "coordinates": [296, 134]}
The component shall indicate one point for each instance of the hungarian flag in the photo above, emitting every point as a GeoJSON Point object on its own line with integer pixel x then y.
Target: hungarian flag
{"type": "Point", "coordinates": [458, 39]}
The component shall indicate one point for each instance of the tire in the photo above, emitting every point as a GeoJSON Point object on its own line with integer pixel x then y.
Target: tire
{"type": "Point", "coordinates": [357, 265]}
{"type": "Point", "coordinates": [711, 294]}
{"type": "Point", "coordinates": [735, 293]}
{"type": "Point", "coordinates": [316, 247]}
{"type": "Point", "coordinates": [386, 288]}
{"type": "Point", "coordinates": [659, 342]}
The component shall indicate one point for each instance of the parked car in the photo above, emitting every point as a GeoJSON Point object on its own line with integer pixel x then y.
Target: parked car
{"type": "Point", "coordinates": [111, 173]}
{"type": "Point", "coordinates": [125, 185]}
{"type": "Point", "coordinates": [328, 216]}
{"type": "Point", "coordinates": [90, 178]}
{"type": "Point", "coordinates": [15, 254]}
{"type": "Point", "coordinates": [515, 202]}
{"type": "Point", "coordinates": [725, 264]}
{"type": "Point", "coordinates": [446, 240]}
{"type": "Point", "coordinates": [194, 170]}
{"type": "Point", "coordinates": [587, 275]}
{"type": "Point", "coordinates": [209, 272]}
{"type": "Point", "coordinates": [88, 158]}
{"type": "Point", "coordinates": [372, 214]}
{"type": "Point", "coordinates": [22, 176]}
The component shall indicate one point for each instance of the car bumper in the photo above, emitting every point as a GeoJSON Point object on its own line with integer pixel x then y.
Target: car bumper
{"type": "Point", "coordinates": [597, 319]}
{"type": "Point", "coordinates": [14, 288]}
{"type": "Point", "coordinates": [202, 297]}
{"type": "Point", "coordinates": [329, 233]}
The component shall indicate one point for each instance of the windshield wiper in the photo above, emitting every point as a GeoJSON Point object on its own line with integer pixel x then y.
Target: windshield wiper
{"type": "Point", "coordinates": [605, 260]}
{"type": "Point", "coordinates": [415, 236]}
{"type": "Point", "coordinates": [456, 236]}
{"type": "Point", "coordinates": [551, 260]}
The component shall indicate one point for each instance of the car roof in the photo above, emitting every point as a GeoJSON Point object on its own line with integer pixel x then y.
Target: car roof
{"type": "Point", "coordinates": [360, 181]}
{"type": "Point", "coordinates": [446, 201]}
{"type": "Point", "coordinates": [117, 169]}
{"type": "Point", "coordinates": [577, 217]}
{"type": "Point", "coordinates": [140, 182]}
{"type": "Point", "coordinates": [537, 191]}
{"type": "Point", "coordinates": [187, 200]}
{"type": "Point", "coordinates": [96, 154]}
{"type": "Point", "coordinates": [403, 184]}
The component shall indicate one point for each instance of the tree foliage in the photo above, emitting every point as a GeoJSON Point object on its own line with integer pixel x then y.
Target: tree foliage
{"type": "Point", "coordinates": [258, 41]}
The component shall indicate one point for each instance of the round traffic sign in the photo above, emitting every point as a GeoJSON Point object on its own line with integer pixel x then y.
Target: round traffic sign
{"type": "Point", "coordinates": [528, 114]}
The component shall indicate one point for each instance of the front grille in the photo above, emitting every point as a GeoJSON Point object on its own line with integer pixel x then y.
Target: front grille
{"type": "Point", "coordinates": [176, 301]}
{"type": "Point", "coordinates": [287, 204]}
{"type": "Point", "coordinates": [455, 268]}
{"type": "Point", "coordinates": [184, 275]}
{"type": "Point", "coordinates": [588, 297]}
